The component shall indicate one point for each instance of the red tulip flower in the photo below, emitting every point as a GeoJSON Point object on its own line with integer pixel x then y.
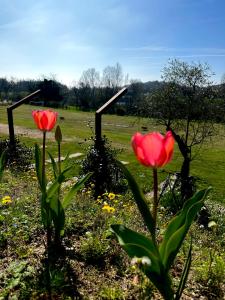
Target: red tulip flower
{"type": "Point", "coordinates": [153, 149]}
{"type": "Point", "coordinates": [45, 119]}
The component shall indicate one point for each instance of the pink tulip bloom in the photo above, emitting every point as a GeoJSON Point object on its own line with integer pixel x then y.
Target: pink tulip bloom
{"type": "Point", "coordinates": [153, 149]}
{"type": "Point", "coordinates": [45, 119]}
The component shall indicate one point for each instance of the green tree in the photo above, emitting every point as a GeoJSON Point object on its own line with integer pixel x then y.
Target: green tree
{"type": "Point", "coordinates": [185, 106]}
{"type": "Point", "coordinates": [51, 93]}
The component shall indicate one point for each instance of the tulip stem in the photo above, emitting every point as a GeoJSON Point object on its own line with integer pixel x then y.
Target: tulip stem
{"type": "Point", "coordinates": [57, 227]}
{"type": "Point", "coordinates": [155, 199]}
{"type": "Point", "coordinates": [43, 158]}
{"type": "Point", "coordinates": [48, 233]}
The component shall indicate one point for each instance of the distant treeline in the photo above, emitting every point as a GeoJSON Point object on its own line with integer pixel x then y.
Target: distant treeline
{"type": "Point", "coordinates": [89, 93]}
{"type": "Point", "coordinates": [93, 90]}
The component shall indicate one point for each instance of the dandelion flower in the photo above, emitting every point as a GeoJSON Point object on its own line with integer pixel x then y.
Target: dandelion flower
{"type": "Point", "coordinates": [6, 200]}
{"type": "Point", "coordinates": [108, 208]}
{"type": "Point", "coordinates": [111, 196]}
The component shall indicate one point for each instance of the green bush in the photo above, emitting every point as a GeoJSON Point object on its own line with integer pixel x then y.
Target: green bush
{"type": "Point", "coordinates": [18, 156]}
{"type": "Point", "coordinates": [101, 160]}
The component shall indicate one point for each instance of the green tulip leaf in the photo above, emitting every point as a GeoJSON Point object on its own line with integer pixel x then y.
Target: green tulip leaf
{"type": "Point", "coordinates": [58, 214]}
{"type": "Point", "coordinates": [175, 241]}
{"type": "Point", "coordinates": [65, 174]}
{"type": "Point", "coordinates": [44, 210]}
{"type": "Point", "coordinates": [69, 196]}
{"type": "Point", "coordinates": [66, 159]}
{"type": "Point", "coordinates": [185, 273]}
{"type": "Point", "coordinates": [54, 166]}
{"type": "Point", "coordinates": [138, 245]}
{"type": "Point", "coordinates": [179, 220]}
{"type": "Point", "coordinates": [139, 199]}
{"type": "Point", "coordinates": [52, 191]}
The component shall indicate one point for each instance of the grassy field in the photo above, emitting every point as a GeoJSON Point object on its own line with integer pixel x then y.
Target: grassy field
{"type": "Point", "coordinates": [78, 127]}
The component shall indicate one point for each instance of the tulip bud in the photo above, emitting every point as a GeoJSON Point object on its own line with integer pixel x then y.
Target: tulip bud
{"type": "Point", "coordinates": [58, 134]}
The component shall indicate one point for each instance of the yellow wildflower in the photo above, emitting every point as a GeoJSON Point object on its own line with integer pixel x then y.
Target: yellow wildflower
{"type": "Point", "coordinates": [111, 196]}
{"type": "Point", "coordinates": [108, 208]}
{"type": "Point", "coordinates": [6, 200]}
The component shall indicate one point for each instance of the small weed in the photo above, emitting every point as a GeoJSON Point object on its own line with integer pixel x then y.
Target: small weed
{"type": "Point", "coordinates": [111, 293]}
{"type": "Point", "coordinates": [16, 280]}
{"type": "Point", "coordinates": [94, 248]}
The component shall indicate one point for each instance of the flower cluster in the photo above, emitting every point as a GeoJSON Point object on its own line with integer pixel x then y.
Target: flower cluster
{"type": "Point", "coordinates": [6, 200]}
{"type": "Point", "coordinates": [110, 202]}
{"type": "Point", "coordinates": [107, 208]}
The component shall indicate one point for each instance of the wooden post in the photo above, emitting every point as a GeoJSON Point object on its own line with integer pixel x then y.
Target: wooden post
{"type": "Point", "coordinates": [98, 127]}
{"type": "Point", "coordinates": [101, 110]}
{"type": "Point", "coordinates": [10, 114]}
{"type": "Point", "coordinates": [11, 126]}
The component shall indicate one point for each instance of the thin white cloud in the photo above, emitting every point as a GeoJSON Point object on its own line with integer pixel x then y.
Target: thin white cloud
{"type": "Point", "coordinates": [173, 49]}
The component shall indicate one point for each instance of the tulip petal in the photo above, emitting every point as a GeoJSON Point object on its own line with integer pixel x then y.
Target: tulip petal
{"type": "Point", "coordinates": [169, 145]}
{"type": "Point", "coordinates": [152, 145]}
{"type": "Point", "coordinates": [136, 142]}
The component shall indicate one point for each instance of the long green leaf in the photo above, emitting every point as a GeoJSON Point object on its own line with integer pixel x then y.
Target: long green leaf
{"type": "Point", "coordinates": [44, 209]}
{"type": "Point", "coordinates": [179, 220]}
{"type": "Point", "coordinates": [175, 241]}
{"type": "Point", "coordinates": [59, 220]}
{"type": "Point", "coordinates": [58, 213]}
{"type": "Point", "coordinates": [69, 196]}
{"type": "Point", "coordinates": [138, 245]}
{"type": "Point", "coordinates": [54, 165]}
{"type": "Point", "coordinates": [139, 199]}
{"type": "Point", "coordinates": [185, 273]}
{"type": "Point", "coordinates": [66, 160]}
{"type": "Point", "coordinates": [65, 174]}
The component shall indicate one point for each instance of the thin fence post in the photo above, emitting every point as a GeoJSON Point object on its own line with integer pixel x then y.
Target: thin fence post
{"type": "Point", "coordinates": [11, 126]}
{"type": "Point", "coordinates": [10, 114]}
{"type": "Point", "coordinates": [99, 113]}
{"type": "Point", "coordinates": [98, 127]}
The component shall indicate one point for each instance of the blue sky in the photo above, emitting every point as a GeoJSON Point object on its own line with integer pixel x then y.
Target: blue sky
{"type": "Point", "coordinates": [67, 37]}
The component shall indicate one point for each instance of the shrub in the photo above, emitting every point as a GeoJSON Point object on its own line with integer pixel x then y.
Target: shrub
{"type": "Point", "coordinates": [18, 156]}
{"type": "Point", "coordinates": [101, 160]}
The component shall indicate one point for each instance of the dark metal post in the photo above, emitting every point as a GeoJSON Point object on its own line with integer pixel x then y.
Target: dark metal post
{"type": "Point", "coordinates": [101, 110]}
{"type": "Point", "coordinates": [10, 114]}
{"type": "Point", "coordinates": [11, 126]}
{"type": "Point", "coordinates": [98, 127]}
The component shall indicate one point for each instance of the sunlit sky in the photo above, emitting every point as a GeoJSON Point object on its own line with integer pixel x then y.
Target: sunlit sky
{"type": "Point", "coordinates": [64, 38]}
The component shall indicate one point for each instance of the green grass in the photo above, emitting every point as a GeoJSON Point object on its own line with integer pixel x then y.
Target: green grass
{"type": "Point", "coordinates": [78, 127]}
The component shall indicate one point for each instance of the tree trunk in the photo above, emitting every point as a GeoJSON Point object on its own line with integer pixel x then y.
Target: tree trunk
{"type": "Point", "coordinates": [186, 182]}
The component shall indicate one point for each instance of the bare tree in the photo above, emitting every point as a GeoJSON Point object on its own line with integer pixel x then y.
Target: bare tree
{"type": "Point", "coordinates": [112, 76]}
{"type": "Point", "coordinates": [223, 79]}
{"type": "Point", "coordinates": [185, 107]}
{"type": "Point", "coordinates": [90, 78]}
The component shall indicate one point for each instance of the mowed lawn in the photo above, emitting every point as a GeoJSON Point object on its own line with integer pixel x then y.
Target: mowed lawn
{"type": "Point", "coordinates": [78, 128]}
